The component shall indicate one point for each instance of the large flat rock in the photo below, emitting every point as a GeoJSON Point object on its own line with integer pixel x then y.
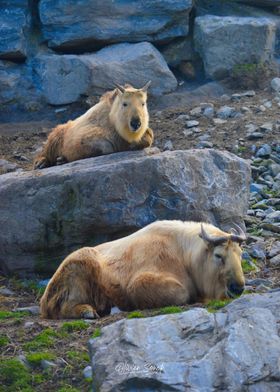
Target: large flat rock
{"type": "Point", "coordinates": [46, 214]}
{"type": "Point", "coordinates": [224, 42]}
{"type": "Point", "coordinates": [73, 26]}
{"type": "Point", "coordinates": [236, 349]}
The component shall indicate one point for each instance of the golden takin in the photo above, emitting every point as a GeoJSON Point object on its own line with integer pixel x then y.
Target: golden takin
{"type": "Point", "coordinates": [118, 122]}
{"type": "Point", "coordinates": [165, 263]}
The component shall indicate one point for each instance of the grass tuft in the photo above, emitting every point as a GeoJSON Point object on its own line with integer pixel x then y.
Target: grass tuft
{"type": "Point", "coordinates": [35, 358]}
{"type": "Point", "coordinates": [96, 333]}
{"type": "Point", "coordinates": [68, 389]}
{"type": "Point", "coordinates": [135, 314]}
{"type": "Point", "coordinates": [5, 314]}
{"type": "Point", "coordinates": [4, 341]}
{"type": "Point", "coordinates": [248, 266]}
{"type": "Point", "coordinates": [170, 310]}
{"type": "Point", "coordinates": [79, 356]}
{"type": "Point", "coordinates": [214, 305]}
{"type": "Point", "coordinates": [15, 376]}
{"type": "Point", "coordinates": [76, 325]}
{"type": "Point", "coordinates": [44, 339]}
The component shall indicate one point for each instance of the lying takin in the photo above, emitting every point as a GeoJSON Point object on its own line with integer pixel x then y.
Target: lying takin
{"type": "Point", "coordinates": [165, 263]}
{"type": "Point", "coordinates": [118, 122]}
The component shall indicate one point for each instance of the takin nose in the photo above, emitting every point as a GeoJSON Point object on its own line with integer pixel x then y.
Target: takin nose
{"type": "Point", "coordinates": [235, 288]}
{"type": "Point", "coordinates": [135, 123]}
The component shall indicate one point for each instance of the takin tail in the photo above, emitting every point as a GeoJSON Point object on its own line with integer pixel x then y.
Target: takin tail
{"type": "Point", "coordinates": [52, 149]}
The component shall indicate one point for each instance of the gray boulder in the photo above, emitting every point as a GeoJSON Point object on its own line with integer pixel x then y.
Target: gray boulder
{"type": "Point", "coordinates": [235, 349]}
{"type": "Point", "coordinates": [7, 167]}
{"type": "Point", "coordinates": [261, 3]}
{"type": "Point", "coordinates": [47, 214]}
{"type": "Point", "coordinates": [74, 26]}
{"type": "Point", "coordinates": [224, 42]}
{"type": "Point", "coordinates": [16, 84]}
{"type": "Point", "coordinates": [15, 21]}
{"type": "Point", "coordinates": [132, 63]}
{"type": "Point", "coordinates": [63, 78]}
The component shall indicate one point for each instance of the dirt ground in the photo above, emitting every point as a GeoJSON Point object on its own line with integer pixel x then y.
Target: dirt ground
{"type": "Point", "coordinates": [20, 139]}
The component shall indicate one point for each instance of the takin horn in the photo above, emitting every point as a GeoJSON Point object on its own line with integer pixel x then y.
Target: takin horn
{"type": "Point", "coordinates": [238, 235]}
{"type": "Point", "coordinates": [145, 88]}
{"type": "Point", "coordinates": [215, 240]}
{"type": "Point", "coordinates": [121, 88]}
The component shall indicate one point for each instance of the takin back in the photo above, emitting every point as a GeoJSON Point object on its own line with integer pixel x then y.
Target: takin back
{"type": "Point", "coordinates": [118, 122]}
{"type": "Point", "coordinates": [165, 263]}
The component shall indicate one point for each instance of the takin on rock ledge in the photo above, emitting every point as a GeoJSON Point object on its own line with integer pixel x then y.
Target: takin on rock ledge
{"type": "Point", "coordinates": [165, 263]}
{"type": "Point", "coordinates": [118, 122]}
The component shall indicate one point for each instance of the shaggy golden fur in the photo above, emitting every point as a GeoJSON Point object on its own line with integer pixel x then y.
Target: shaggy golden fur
{"type": "Point", "coordinates": [166, 263]}
{"type": "Point", "coordinates": [103, 129]}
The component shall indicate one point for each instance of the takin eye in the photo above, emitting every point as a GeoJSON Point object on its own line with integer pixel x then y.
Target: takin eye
{"type": "Point", "coordinates": [220, 258]}
{"type": "Point", "coordinates": [143, 103]}
{"type": "Point", "coordinates": [124, 104]}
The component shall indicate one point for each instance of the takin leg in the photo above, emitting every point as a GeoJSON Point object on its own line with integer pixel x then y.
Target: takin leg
{"type": "Point", "coordinates": [146, 140]}
{"type": "Point", "coordinates": [75, 291]}
{"type": "Point", "coordinates": [155, 290]}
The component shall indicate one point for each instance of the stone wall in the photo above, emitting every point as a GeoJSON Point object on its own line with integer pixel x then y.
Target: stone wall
{"type": "Point", "coordinates": [60, 51]}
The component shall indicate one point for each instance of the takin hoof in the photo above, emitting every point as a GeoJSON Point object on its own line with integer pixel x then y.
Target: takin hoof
{"type": "Point", "coordinates": [60, 161]}
{"type": "Point", "coordinates": [40, 163]}
{"type": "Point", "coordinates": [90, 314]}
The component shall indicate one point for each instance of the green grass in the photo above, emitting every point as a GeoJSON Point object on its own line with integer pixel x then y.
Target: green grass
{"type": "Point", "coordinates": [79, 356]}
{"type": "Point", "coordinates": [135, 314]}
{"type": "Point", "coordinates": [214, 305]}
{"type": "Point", "coordinates": [255, 231]}
{"type": "Point", "coordinates": [170, 310]}
{"type": "Point", "coordinates": [96, 333]}
{"type": "Point", "coordinates": [35, 358]}
{"type": "Point", "coordinates": [4, 341]}
{"type": "Point", "coordinates": [14, 376]}
{"type": "Point", "coordinates": [77, 325]}
{"type": "Point", "coordinates": [247, 267]}
{"type": "Point", "coordinates": [271, 192]}
{"type": "Point", "coordinates": [241, 149]}
{"type": "Point", "coordinates": [44, 339]}
{"type": "Point", "coordinates": [6, 315]}
{"type": "Point", "coordinates": [68, 389]}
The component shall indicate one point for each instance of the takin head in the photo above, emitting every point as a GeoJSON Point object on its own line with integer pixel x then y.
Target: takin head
{"type": "Point", "coordinates": [129, 114]}
{"type": "Point", "coordinates": [225, 276]}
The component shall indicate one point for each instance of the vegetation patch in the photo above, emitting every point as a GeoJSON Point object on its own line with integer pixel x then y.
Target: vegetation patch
{"type": "Point", "coordinates": [251, 75]}
{"type": "Point", "coordinates": [6, 315]}
{"type": "Point", "coordinates": [35, 358]}
{"type": "Point", "coordinates": [68, 389]}
{"type": "Point", "coordinates": [44, 339]}
{"type": "Point", "coordinates": [214, 305]}
{"type": "Point", "coordinates": [135, 314]}
{"type": "Point", "coordinates": [4, 341]}
{"type": "Point", "coordinates": [255, 231]}
{"type": "Point", "coordinates": [81, 356]}
{"type": "Point", "coordinates": [14, 376]}
{"type": "Point", "coordinates": [76, 325]}
{"type": "Point", "coordinates": [170, 310]}
{"type": "Point", "coordinates": [248, 266]}
{"type": "Point", "coordinates": [96, 333]}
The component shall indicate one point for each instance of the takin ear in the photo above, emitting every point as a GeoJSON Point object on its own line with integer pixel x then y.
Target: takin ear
{"type": "Point", "coordinates": [145, 88]}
